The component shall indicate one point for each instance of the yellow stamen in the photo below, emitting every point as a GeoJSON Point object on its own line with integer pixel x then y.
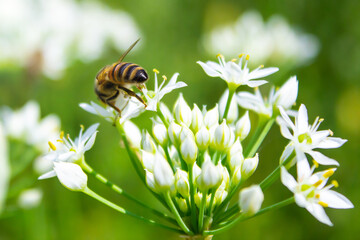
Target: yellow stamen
{"type": "Point", "coordinates": [241, 55]}
{"type": "Point", "coordinates": [323, 204]}
{"type": "Point", "coordinates": [317, 196]}
{"type": "Point", "coordinates": [164, 77]}
{"type": "Point", "coordinates": [335, 183]}
{"type": "Point", "coordinates": [315, 163]}
{"type": "Point", "coordinates": [318, 183]}
{"type": "Point", "coordinates": [71, 149]}
{"type": "Point", "coordinates": [60, 141]}
{"type": "Point", "coordinates": [52, 146]}
{"type": "Point", "coordinates": [331, 132]}
{"type": "Point", "coordinates": [156, 71]}
{"type": "Point", "coordinates": [82, 127]}
{"type": "Point", "coordinates": [261, 66]}
{"type": "Point", "coordinates": [61, 134]}
{"type": "Point", "coordinates": [67, 136]}
{"type": "Point", "coordinates": [247, 57]}
{"type": "Point", "coordinates": [219, 55]}
{"type": "Point", "coordinates": [233, 60]}
{"type": "Point", "coordinates": [321, 120]}
{"type": "Point", "coordinates": [328, 173]}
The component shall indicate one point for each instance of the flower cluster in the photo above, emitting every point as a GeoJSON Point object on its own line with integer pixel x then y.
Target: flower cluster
{"type": "Point", "coordinates": [195, 160]}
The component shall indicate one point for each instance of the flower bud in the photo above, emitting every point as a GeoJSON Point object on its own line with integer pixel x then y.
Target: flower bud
{"type": "Point", "coordinates": [197, 119]}
{"type": "Point", "coordinates": [189, 150]}
{"type": "Point", "coordinates": [243, 126]}
{"type": "Point", "coordinates": [71, 176]}
{"type": "Point", "coordinates": [160, 133]}
{"type": "Point", "coordinates": [202, 138]}
{"type": "Point", "coordinates": [287, 94]}
{"type": "Point", "coordinates": [182, 111]}
{"type": "Point", "coordinates": [222, 137]}
{"type": "Point", "coordinates": [196, 171]}
{"type": "Point", "coordinates": [147, 160]}
{"type": "Point", "coordinates": [220, 195]}
{"type": "Point", "coordinates": [211, 117]}
{"type": "Point", "coordinates": [163, 174]}
{"type": "Point", "coordinates": [250, 200]}
{"type": "Point", "coordinates": [199, 196]}
{"type": "Point", "coordinates": [182, 204]}
{"type": "Point", "coordinates": [150, 181]}
{"type": "Point", "coordinates": [225, 176]}
{"type": "Point", "coordinates": [210, 176]}
{"type": "Point", "coordinates": [235, 155]}
{"type": "Point", "coordinates": [182, 183]}
{"type": "Point", "coordinates": [174, 130]}
{"type": "Point", "coordinates": [233, 110]}
{"type": "Point", "coordinates": [133, 134]}
{"type": "Point", "coordinates": [147, 143]}
{"type": "Point", "coordinates": [166, 112]}
{"type": "Point", "coordinates": [236, 176]}
{"type": "Point", "coordinates": [185, 132]}
{"type": "Point", "coordinates": [249, 166]}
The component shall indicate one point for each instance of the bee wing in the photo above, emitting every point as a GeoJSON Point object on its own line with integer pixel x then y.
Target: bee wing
{"type": "Point", "coordinates": [127, 51]}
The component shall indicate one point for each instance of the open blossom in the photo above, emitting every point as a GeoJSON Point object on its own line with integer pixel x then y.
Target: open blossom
{"type": "Point", "coordinates": [284, 97]}
{"type": "Point", "coordinates": [236, 74]}
{"type": "Point", "coordinates": [67, 150]}
{"type": "Point", "coordinates": [304, 138]}
{"type": "Point", "coordinates": [153, 97]}
{"type": "Point", "coordinates": [312, 193]}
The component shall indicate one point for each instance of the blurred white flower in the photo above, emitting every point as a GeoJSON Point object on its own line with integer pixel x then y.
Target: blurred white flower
{"type": "Point", "coordinates": [284, 97]}
{"type": "Point", "coordinates": [304, 138]}
{"type": "Point", "coordinates": [153, 97]}
{"type": "Point", "coordinates": [25, 124]}
{"type": "Point", "coordinates": [30, 198]}
{"type": "Point", "coordinates": [263, 41]}
{"type": "Point", "coordinates": [4, 168]}
{"type": "Point", "coordinates": [67, 150]}
{"type": "Point", "coordinates": [60, 31]}
{"type": "Point", "coordinates": [311, 192]}
{"type": "Point", "coordinates": [236, 75]}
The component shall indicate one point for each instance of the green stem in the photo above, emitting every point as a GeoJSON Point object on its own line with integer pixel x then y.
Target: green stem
{"type": "Point", "coordinates": [192, 196]}
{"type": "Point", "coordinates": [212, 200]}
{"type": "Point", "coordinates": [253, 147]}
{"type": "Point", "coordinates": [202, 210]}
{"type": "Point", "coordinates": [228, 103]}
{"type": "Point", "coordinates": [168, 158]}
{"type": "Point", "coordinates": [243, 217]}
{"type": "Point", "coordinates": [120, 191]}
{"type": "Point", "coordinates": [176, 213]}
{"type": "Point", "coordinates": [124, 211]}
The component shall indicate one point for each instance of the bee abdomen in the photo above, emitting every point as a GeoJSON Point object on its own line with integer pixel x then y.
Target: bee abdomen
{"type": "Point", "coordinates": [128, 73]}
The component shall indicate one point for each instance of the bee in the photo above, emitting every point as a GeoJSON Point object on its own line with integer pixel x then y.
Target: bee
{"type": "Point", "coordinates": [117, 77]}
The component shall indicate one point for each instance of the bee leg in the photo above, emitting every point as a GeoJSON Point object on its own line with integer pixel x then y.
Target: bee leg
{"type": "Point", "coordinates": [112, 104]}
{"type": "Point", "coordinates": [131, 93]}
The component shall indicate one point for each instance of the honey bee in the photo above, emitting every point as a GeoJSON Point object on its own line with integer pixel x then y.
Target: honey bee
{"type": "Point", "coordinates": [112, 79]}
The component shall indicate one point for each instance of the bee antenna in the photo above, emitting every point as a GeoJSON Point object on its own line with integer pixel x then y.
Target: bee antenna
{"type": "Point", "coordinates": [128, 50]}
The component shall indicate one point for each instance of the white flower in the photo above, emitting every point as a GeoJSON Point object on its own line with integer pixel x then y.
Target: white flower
{"type": "Point", "coordinates": [223, 137]}
{"type": "Point", "coordinates": [160, 133]}
{"type": "Point", "coordinates": [197, 120]}
{"type": "Point", "coordinates": [68, 150]}
{"type": "Point", "coordinates": [210, 176]}
{"type": "Point", "coordinates": [250, 200]}
{"type": "Point", "coordinates": [249, 166]}
{"type": "Point", "coordinates": [105, 112]}
{"type": "Point", "coordinates": [304, 138]}
{"type": "Point", "coordinates": [154, 97]}
{"type": "Point", "coordinates": [133, 134]}
{"type": "Point", "coordinates": [4, 168]}
{"type": "Point", "coordinates": [25, 124]}
{"type": "Point", "coordinates": [182, 183]}
{"type": "Point", "coordinates": [235, 155]}
{"type": "Point", "coordinates": [182, 111]}
{"type": "Point", "coordinates": [211, 117]}
{"type": "Point", "coordinates": [236, 74]}
{"type": "Point", "coordinates": [163, 174]}
{"type": "Point", "coordinates": [243, 126]}
{"type": "Point", "coordinates": [147, 143]}
{"type": "Point", "coordinates": [202, 138]}
{"type": "Point", "coordinates": [311, 192]}
{"type": "Point", "coordinates": [71, 176]}
{"type": "Point", "coordinates": [30, 198]}
{"type": "Point", "coordinates": [285, 97]}
{"type": "Point", "coordinates": [189, 150]}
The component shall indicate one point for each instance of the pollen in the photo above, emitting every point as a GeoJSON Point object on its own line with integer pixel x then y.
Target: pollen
{"type": "Point", "coordinates": [60, 141]}
{"type": "Point", "coordinates": [219, 55]}
{"type": "Point", "coordinates": [234, 60]}
{"type": "Point", "coordinates": [261, 66]}
{"type": "Point", "coordinates": [321, 120]}
{"type": "Point", "coordinates": [156, 71]}
{"type": "Point", "coordinates": [323, 204]}
{"type": "Point", "coordinates": [247, 57]}
{"type": "Point", "coordinates": [331, 132]}
{"type": "Point", "coordinates": [335, 183]}
{"type": "Point", "coordinates": [67, 136]}
{"type": "Point", "coordinates": [317, 196]}
{"type": "Point", "coordinates": [52, 146]}
{"type": "Point", "coordinates": [241, 55]}
{"type": "Point", "coordinates": [82, 127]}
{"type": "Point", "coordinates": [318, 183]}
{"type": "Point", "coordinates": [61, 134]}
{"type": "Point", "coordinates": [316, 164]}
{"type": "Point", "coordinates": [328, 173]}
{"type": "Point", "coordinates": [164, 77]}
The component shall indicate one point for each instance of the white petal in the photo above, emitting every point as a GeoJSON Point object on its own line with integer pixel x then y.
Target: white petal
{"type": "Point", "coordinates": [90, 131]}
{"type": "Point", "coordinates": [288, 180]}
{"type": "Point", "coordinates": [322, 159]}
{"type": "Point", "coordinates": [71, 176]}
{"type": "Point", "coordinates": [301, 200]}
{"type": "Point", "coordinates": [331, 142]}
{"type": "Point", "coordinates": [318, 212]}
{"type": "Point", "coordinates": [259, 73]}
{"type": "Point", "coordinates": [255, 83]}
{"type": "Point", "coordinates": [287, 152]}
{"type": "Point", "coordinates": [286, 118]}
{"type": "Point", "coordinates": [90, 142]}
{"type": "Point", "coordinates": [335, 200]}
{"type": "Point", "coordinates": [303, 167]}
{"type": "Point", "coordinates": [47, 175]}
{"type": "Point", "coordinates": [88, 108]}
{"type": "Point", "coordinates": [208, 70]}
{"type": "Point", "coordinates": [302, 120]}
{"type": "Point", "coordinates": [285, 131]}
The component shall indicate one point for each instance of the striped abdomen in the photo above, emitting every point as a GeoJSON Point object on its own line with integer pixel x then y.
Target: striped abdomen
{"type": "Point", "coordinates": [127, 73]}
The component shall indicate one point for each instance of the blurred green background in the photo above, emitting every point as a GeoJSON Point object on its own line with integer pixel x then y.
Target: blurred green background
{"type": "Point", "coordinates": [172, 32]}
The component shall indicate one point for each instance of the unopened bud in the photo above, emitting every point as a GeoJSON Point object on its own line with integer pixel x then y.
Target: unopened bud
{"type": "Point", "coordinates": [163, 174]}
{"type": "Point", "coordinates": [235, 155]}
{"type": "Point", "coordinates": [150, 181]}
{"type": "Point", "coordinates": [203, 138]}
{"type": "Point", "coordinates": [160, 133]}
{"type": "Point", "coordinates": [182, 111]}
{"type": "Point", "coordinates": [132, 134]}
{"type": "Point", "coordinates": [211, 117]}
{"type": "Point", "coordinates": [222, 138]}
{"type": "Point", "coordinates": [243, 126]}
{"type": "Point", "coordinates": [147, 143]}
{"type": "Point", "coordinates": [210, 176]}
{"type": "Point", "coordinates": [182, 183]}
{"type": "Point", "coordinates": [250, 200]}
{"type": "Point", "coordinates": [189, 150]}
{"type": "Point", "coordinates": [197, 119]}
{"type": "Point", "coordinates": [174, 133]}
{"type": "Point", "coordinates": [249, 166]}
{"type": "Point", "coordinates": [182, 204]}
